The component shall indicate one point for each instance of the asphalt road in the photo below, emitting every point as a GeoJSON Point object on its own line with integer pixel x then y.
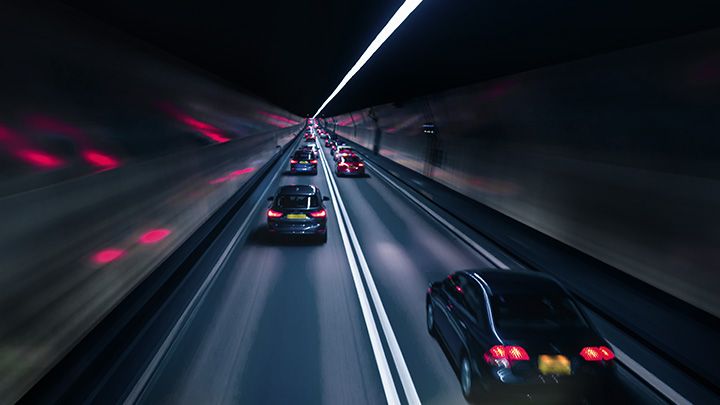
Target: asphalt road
{"type": "Point", "coordinates": [296, 322]}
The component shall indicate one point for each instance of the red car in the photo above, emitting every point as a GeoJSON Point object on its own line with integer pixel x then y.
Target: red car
{"type": "Point", "coordinates": [350, 165]}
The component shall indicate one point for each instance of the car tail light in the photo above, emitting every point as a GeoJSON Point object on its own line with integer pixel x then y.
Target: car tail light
{"type": "Point", "coordinates": [596, 353]}
{"type": "Point", "coordinates": [606, 353]}
{"type": "Point", "coordinates": [293, 161]}
{"type": "Point", "coordinates": [313, 161]}
{"type": "Point", "coordinates": [503, 356]}
{"type": "Point", "coordinates": [361, 164]}
{"type": "Point", "coordinates": [273, 214]}
{"type": "Point", "coordinates": [318, 214]}
{"type": "Point", "coordinates": [515, 353]}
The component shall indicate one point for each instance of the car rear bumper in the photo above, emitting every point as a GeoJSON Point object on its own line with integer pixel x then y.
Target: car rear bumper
{"type": "Point", "coordinates": [551, 388]}
{"type": "Point", "coordinates": [281, 228]}
{"type": "Point", "coordinates": [351, 173]}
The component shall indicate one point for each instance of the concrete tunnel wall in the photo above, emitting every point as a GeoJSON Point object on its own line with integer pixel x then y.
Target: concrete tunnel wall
{"type": "Point", "coordinates": [615, 155]}
{"type": "Point", "coordinates": [112, 154]}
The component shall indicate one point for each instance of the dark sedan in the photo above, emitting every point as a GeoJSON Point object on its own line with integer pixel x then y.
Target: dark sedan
{"type": "Point", "coordinates": [303, 162]}
{"type": "Point", "coordinates": [298, 210]}
{"type": "Point", "coordinates": [517, 333]}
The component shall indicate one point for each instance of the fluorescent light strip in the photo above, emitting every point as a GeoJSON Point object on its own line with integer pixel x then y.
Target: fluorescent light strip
{"type": "Point", "coordinates": [403, 12]}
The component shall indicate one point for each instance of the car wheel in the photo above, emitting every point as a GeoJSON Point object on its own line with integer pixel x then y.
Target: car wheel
{"type": "Point", "coordinates": [432, 329]}
{"type": "Point", "coordinates": [468, 380]}
{"type": "Point", "coordinates": [322, 237]}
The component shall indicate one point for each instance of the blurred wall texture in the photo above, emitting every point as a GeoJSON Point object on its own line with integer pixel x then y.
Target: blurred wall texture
{"type": "Point", "coordinates": [111, 155]}
{"type": "Point", "coordinates": [615, 155]}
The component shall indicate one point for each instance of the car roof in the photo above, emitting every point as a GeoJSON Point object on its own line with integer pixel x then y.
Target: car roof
{"type": "Point", "coordinates": [298, 189]}
{"type": "Point", "coordinates": [499, 282]}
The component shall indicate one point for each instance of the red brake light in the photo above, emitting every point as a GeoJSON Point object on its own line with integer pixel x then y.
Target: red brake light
{"type": "Point", "coordinates": [503, 356]}
{"type": "Point", "coordinates": [318, 214]}
{"type": "Point", "coordinates": [597, 353]}
{"type": "Point", "coordinates": [293, 161]}
{"type": "Point", "coordinates": [498, 351]}
{"type": "Point", "coordinates": [516, 353]}
{"type": "Point", "coordinates": [606, 353]}
{"type": "Point", "coordinates": [360, 164]}
{"type": "Point", "coordinates": [313, 161]}
{"type": "Point", "coordinates": [273, 214]}
{"type": "Point", "coordinates": [591, 354]}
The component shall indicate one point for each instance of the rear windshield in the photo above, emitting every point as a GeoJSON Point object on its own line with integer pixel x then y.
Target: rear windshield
{"type": "Point", "coordinates": [351, 159]}
{"type": "Point", "coordinates": [301, 156]}
{"type": "Point", "coordinates": [297, 201]}
{"type": "Point", "coordinates": [541, 311]}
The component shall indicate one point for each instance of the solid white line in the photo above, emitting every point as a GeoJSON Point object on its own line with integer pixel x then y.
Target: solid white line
{"type": "Point", "coordinates": [649, 377]}
{"type": "Point", "coordinates": [383, 367]}
{"type": "Point", "coordinates": [139, 387]}
{"type": "Point", "coordinates": [489, 256]}
{"type": "Point", "coordinates": [403, 372]}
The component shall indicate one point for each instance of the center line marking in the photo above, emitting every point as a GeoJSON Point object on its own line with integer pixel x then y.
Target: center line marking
{"type": "Point", "coordinates": [403, 372]}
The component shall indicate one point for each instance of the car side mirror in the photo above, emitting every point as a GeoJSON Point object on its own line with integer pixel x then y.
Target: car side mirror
{"type": "Point", "coordinates": [326, 198]}
{"type": "Point", "coordinates": [271, 198]}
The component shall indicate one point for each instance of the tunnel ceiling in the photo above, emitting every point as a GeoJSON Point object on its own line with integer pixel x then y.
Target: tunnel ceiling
{"type": "Point", "coordinates": [294, 53]}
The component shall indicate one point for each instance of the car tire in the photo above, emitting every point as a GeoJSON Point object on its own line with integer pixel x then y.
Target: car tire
{"type": "Point", "coordinates": [469, 382]}
{"type": "Point", "coordinates": [323, 237]}
{"type": "Point", "coordinates": [430, 319]}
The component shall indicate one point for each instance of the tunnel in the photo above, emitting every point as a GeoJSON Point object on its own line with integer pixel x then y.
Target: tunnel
{"type": "Point", "coordinates": [139, 266]}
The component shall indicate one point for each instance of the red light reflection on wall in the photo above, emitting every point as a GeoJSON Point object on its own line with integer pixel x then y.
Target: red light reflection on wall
{"type": "Point", "coordinates": [345, 121]}
{"type": "Point", "coordinates": [99, 159]}
{"type": "Point", "coordinates": [277, 118]}
{"type": "Point", "coordinates": [46, 123]}
{"type": "Point", "coordinates": [231, 175]}
{"type": "Point", "coordinates": [20, 146]}
{"type": "Point", "coordinates": [206, 129]}
{"type": "Point", "coordinates": [39, 158]}
{"type": "Point", "coordinates": [154, 236]}
{"type": "Point", "coordinates": [107, 255]}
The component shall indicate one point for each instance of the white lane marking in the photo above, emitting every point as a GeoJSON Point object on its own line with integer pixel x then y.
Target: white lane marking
{"type": "Point", "coordinates": [140, 386]}
{"type": "Point", "coordinates": [483, 252]}
{"type": "Point", "coordinates": [401, 366]}
{"type": "Point", "coordinates": [383, 367]}
{"type": "Point", "coordinates": [649, 377]}
{"type": "Point", "coordinates": [621, 356]}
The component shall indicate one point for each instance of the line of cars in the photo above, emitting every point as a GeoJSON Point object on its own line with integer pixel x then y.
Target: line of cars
{"type": "Point", "coordinates": [347, 161]}
{"type": "Point", "coordinates": [298, 209]}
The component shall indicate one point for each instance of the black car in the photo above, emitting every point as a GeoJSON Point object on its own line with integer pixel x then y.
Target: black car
{"type": "Point", "coordinates": [303, 161]}
{"type": "Point", "coordinates": [517, 333]}
{"type": "Point", "coordinates": [298, 210]}
{"type": "Point", "coordinates": [309, 147]}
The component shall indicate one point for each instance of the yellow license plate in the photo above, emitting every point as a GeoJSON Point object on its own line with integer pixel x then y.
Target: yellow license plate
{"type": "Point", "coordinates": [304, 162]}
{"type": "Point", "coordinates": [556, 365]}
{"type": "Point", "coordinates": [296, 216]}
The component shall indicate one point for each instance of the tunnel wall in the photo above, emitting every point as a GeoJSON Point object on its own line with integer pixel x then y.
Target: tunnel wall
{"type": "Point", "coordinates": [615, 155]}
{"type": "Point", "coordinates": [111, 155]}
